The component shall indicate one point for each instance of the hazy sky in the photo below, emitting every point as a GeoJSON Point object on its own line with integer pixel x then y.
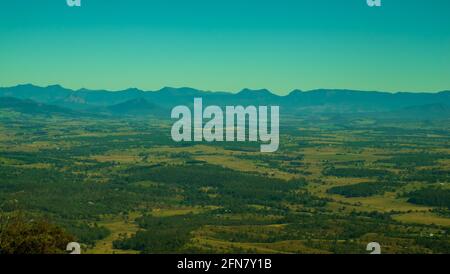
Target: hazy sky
{"type": "Point", "coordinates": [227, 45]}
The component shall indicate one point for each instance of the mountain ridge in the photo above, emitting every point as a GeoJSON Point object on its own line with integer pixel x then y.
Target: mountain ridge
{"type": "Point", "coordinates": [296, 102]}
{"type": "Point", "coordinates": [167, 88]}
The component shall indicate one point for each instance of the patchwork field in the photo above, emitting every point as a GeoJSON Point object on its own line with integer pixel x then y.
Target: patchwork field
{"type": "Point", "coordinates": [122, 186]}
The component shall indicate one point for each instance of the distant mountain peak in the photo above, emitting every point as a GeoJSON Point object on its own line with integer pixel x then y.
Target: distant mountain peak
{"type": "Point", "coordinates": [26, 86]}
{"type": "Point", "coordinates": [253, 91]}
{"type": "Point", "coordinates": [55, 86]}
{"type": "Point", "coordinates": [296, 91]}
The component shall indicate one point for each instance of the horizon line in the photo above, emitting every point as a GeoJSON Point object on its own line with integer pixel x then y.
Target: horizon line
{"type": "Point", "coordinates": [228, 92]}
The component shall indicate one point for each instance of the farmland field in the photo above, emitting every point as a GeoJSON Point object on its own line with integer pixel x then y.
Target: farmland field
{"type": "Point", "coordinates": [121, 185]}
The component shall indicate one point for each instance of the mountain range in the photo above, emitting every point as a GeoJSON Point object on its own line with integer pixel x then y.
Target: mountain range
{"type": "Point", "coordinates": [57, 99]}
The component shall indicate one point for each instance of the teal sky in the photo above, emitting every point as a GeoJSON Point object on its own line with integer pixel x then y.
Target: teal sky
{"type": "Point", "coordinates": [227, 45]}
